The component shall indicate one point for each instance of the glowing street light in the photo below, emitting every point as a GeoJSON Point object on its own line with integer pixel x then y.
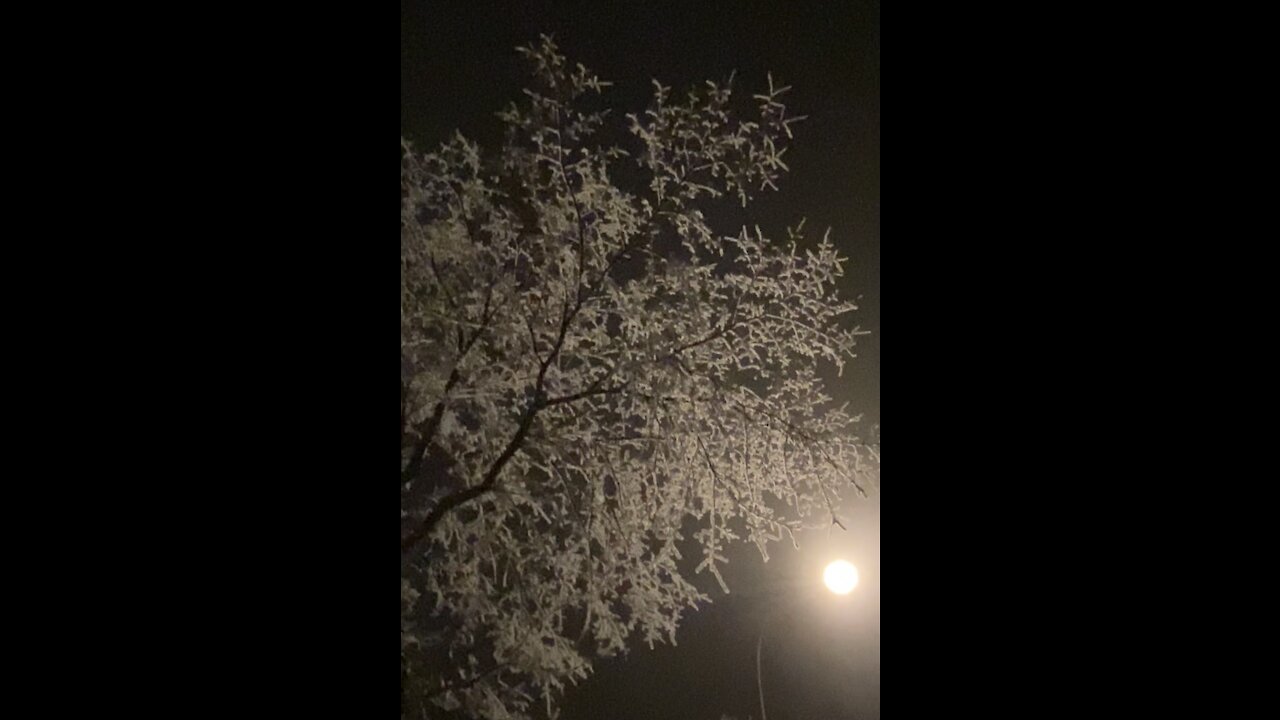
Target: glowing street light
{"type": "Point", "coordinates": [840, 577]}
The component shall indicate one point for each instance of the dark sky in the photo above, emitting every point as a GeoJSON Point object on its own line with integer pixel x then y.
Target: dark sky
{"type": "Point", "coordinates": [458, 66]}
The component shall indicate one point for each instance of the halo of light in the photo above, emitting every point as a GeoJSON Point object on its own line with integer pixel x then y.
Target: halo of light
{"type": "Point", "coordinates": [840, 577]}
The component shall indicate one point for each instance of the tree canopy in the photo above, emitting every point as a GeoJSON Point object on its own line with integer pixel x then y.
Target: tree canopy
{"type": "Point", "coordinates": [596, 383]}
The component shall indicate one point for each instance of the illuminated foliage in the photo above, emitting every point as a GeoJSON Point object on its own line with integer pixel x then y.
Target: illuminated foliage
{"type": "Point", "coordinates": [589, 371]}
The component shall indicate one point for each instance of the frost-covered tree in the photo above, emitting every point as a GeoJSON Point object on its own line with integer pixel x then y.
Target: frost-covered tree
{"type": "Point", "coordinates": [594, 381]}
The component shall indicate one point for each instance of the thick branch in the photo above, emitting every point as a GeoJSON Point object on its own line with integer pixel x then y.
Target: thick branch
{"type": "Point", "coordinates": [586, 393]}
{"type": "Point", "coordinates": [537, 403]}
{"type": "Point", "coordinates": [465, 495]}
{"type": "Point", "coordinates": [428, 431]}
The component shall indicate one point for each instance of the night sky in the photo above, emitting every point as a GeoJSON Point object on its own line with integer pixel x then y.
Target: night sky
{"type": "Point", "coordinates": [458, 66]}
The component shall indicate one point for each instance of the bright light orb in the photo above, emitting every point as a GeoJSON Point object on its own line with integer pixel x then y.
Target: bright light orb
{"type": "Point", "coordinates": [840, 577]}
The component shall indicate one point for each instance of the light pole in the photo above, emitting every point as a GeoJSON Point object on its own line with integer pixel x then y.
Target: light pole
{"type": "Point", "coordinates": [840, 577]}
{"type": "Point", "coordinates": [759, 682]}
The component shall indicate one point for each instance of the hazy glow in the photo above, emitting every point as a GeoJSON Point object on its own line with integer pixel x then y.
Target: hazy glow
{"type": "Point", "coordinates": [840, 577]}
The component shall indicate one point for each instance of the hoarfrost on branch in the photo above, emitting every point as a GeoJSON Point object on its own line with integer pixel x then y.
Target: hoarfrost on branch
{"type": "Point", "coordinates": [589, 371]}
